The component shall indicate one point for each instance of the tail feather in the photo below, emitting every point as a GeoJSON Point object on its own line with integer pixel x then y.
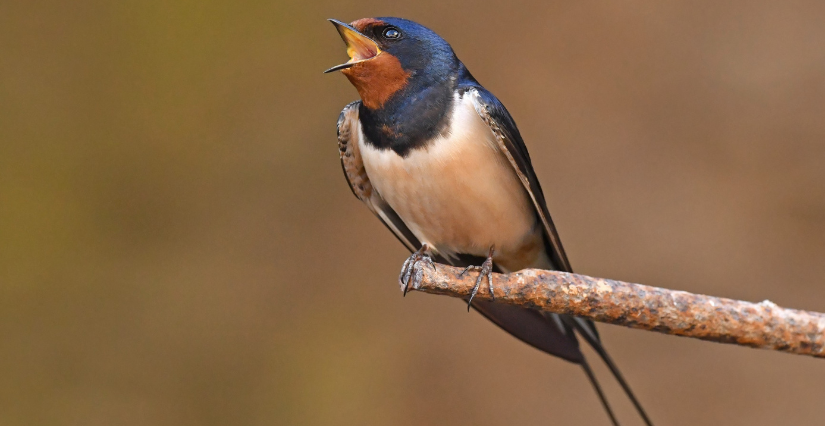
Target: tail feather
{"type": "Point", "coordinates": [597, 346]}
{"type": "Point", "coordinates": [598, 388]}
{"type": "Point", "coordinates": [554, 334]}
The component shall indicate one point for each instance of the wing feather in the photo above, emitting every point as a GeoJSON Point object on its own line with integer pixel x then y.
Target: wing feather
{"type": "Point", "coordinates": [500, 122]}
{"type": "Point", "coordinates": [511, 144]}
{"type": "Point", "coordinates": [349, 133]}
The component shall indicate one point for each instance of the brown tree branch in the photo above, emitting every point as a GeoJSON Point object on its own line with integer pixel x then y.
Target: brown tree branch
{"type": "Point", "coordinates": [759, 325]}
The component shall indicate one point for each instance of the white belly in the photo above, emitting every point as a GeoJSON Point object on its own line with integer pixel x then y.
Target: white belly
{"type": "Point", "coordinates": [459, 194]}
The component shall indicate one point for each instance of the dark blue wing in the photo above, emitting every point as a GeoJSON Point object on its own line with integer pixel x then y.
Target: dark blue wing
{"type": "Point", "coordinates": [504, 127]}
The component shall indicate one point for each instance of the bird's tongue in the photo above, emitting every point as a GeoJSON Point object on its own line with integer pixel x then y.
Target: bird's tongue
{"type": "Point", "coordinates": [359, 50]}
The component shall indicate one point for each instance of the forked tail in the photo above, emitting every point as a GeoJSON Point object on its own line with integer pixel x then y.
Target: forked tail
{"type": "Point", "coordinates": [594, 342]}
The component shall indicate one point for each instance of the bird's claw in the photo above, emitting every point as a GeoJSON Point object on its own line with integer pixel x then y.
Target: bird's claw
{"type": "Point", "coordinates": [412, 276]}
{"type": "Point", "coordinates": [486, 269]}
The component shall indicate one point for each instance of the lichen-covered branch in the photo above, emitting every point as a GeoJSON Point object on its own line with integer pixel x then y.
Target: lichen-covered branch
{"type": "Point", "coordinates": [759, 325]}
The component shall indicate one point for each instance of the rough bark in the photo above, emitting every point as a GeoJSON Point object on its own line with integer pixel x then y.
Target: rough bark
{"type": "Point", "coordinates": [759, 325]}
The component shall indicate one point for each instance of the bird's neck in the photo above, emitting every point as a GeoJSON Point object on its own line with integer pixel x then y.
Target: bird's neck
{"type": "Point", "coordinates": [410, 119]}
{"type": "Point", "coordinates": [378, 80]}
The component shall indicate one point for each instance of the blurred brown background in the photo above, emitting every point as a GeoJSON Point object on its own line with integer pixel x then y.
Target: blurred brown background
{"type": "Point", "coordinates": [178, 245]}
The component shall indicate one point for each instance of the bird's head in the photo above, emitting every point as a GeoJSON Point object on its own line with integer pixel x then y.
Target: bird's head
{"type": "Point", "coordinates": [390, 55]}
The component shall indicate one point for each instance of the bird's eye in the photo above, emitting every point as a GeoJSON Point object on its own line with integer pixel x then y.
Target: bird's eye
{"type": "Point", "coordinates": [391, 33]}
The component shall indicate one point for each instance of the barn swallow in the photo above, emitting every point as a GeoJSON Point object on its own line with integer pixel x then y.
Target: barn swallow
{"type": "Point", "coordinates": [441, 162]}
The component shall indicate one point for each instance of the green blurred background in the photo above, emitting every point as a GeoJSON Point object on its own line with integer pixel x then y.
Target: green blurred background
{"type": "Point", "coordinates": [178, 245]}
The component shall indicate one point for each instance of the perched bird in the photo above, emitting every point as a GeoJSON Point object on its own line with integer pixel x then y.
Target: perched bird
{"type": "Point", "coordinates": [441, 163]}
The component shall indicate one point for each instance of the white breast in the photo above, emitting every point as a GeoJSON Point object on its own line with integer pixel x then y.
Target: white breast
{"type": "Point", "coordinates": [459, 194]}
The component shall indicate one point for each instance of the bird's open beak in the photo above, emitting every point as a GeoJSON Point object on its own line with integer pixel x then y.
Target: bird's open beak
{"type": "Point", "coordinates": [360, 48]}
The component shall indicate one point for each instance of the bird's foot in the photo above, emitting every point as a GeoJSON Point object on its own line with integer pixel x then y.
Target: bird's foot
{"type": "Point", "coordinates": [486, 269]}
{"type": "Point", "coordinates": [410, 276]}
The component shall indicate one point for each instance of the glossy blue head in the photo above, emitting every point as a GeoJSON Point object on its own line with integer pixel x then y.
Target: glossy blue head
{"type": "Point", "coordinates": [391, 56]}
